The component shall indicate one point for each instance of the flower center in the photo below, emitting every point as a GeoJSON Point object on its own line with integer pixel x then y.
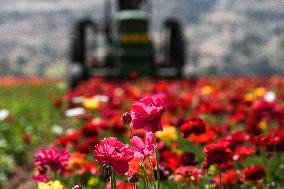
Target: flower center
{"type": "Point", "coordinates": [117, 150]}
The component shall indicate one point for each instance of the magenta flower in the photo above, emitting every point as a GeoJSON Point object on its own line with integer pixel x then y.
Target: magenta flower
{"type": "Point", "coordinates": [52, 158]}
{"type": "Point", "coordinates": [147, 148]}
{"type": "Point", "coordinates": [146, 113]}
{"type": "Point", "coordinates": [112, 152]}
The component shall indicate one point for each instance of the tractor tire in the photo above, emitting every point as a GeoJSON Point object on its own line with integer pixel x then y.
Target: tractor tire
{"type": "Point", "coordinates": [175, 45]}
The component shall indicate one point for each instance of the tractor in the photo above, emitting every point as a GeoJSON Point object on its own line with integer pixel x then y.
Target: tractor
{"type": "Point", "coordinates": [121, 45]}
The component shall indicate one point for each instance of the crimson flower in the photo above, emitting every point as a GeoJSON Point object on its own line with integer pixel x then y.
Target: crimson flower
{"type": "Point", "coordinates": [193, 125]}
{"type": "Point", "coordinates": [217, 153]}
{"type": "Point", "coordinates": [187, 158]}
{"type": "Point", "coordinates": [254, 173]}
{"type": "Point", "coordinates": [110, 151]}
{"type": "Point", "coordinates": [237, 138]}
{"type": "Point", "coordinates": [146, 113]}
{"type": "Point", "coordinates": [147, 148]}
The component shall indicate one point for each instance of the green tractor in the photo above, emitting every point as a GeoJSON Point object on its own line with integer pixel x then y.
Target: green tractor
{"type": "Point", "coordinates": [121, 46]}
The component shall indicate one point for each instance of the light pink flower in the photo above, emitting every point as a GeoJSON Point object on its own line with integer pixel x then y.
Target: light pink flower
{"type": "Point", "coordinates": [147, 148]}
{"type": "Point", "coordinates": [146, 113]}
{"type": "Point", "coordinates": [112, 152]}
{"type": "Point", "coordinates": [188, 174]}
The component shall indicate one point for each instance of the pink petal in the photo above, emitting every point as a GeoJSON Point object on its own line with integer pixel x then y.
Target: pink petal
{"type": "Point", "coordinates": [137, 142]}
{"type": "Point", "coordinates": [120, 167]}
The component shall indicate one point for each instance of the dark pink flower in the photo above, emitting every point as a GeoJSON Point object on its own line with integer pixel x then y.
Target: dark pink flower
{"type": "Point", "coordinates": [147, 148]}
{"type": "Point", "coordinates": [146, 113]}
{"type": "Point", "coordinates": [41, 178]}
{"type": "Point", "coordinates": [112, 152]}
{"type": "Point", "coordinates": [53, 158]}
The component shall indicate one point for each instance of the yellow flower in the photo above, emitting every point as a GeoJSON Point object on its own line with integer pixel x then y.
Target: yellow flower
{"type": "Point", "coordinates": [169, 134]}
{"type": "Point", "coordinates": [206, 90]}
{"type": "Point", "coordinates": [91, 103]}
{"type": "Point", "coordinates": [50, 185]}
{"type": "Point", "coordinates": [92, 181]}
{"type": "Point", "coordinates": [212, 170]}
{"type": "Point", "coordinates": [249, 97]}
{"type": "Point", "coordinates": [262, 124]}
{"type": "Point", "coordinates": [260, 91]}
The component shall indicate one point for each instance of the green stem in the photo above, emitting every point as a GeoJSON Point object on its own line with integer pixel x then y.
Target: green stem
{"type": "Point", "coordinates": [151, 167]}
{"type": "Point", "coordinates": [220, 177]}
{"type": "Point", "coordinates": [157, 162]}
{"type": "Point", "coordinates": [129, 127]}
{"type": "Point", "coordinates": [145, 177]}
{"type": "Point", "coordinates": [113, 180]}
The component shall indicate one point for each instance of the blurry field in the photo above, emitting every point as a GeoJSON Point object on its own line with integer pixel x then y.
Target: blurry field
{"type": "Point", "coordinates": [29, 124]}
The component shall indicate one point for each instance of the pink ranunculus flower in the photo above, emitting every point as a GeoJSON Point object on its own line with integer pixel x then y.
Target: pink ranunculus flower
{"type": "Point", "coordinates": [147, 148]}
{"type": "Point", "coordinates": [146, 113]}
{"type": "Point", "coordinates": [53, 158]}
{"type": "Point", "coordinates": [110, 151]}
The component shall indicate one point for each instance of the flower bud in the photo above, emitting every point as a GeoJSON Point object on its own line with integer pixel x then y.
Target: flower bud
{"type": "Point", "coordinates": [77, 187]}
{"type": "Point", "coordinates": [133, 177]}
{"type": "Point", "coordinates": [126, 118]}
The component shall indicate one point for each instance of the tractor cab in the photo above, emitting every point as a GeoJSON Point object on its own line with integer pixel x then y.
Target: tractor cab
{"type": "Point", "coordinates": [127, 46]}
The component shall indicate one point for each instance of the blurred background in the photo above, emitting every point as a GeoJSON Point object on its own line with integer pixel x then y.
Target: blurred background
{"type": "Point", "coordinates": [224, 37]}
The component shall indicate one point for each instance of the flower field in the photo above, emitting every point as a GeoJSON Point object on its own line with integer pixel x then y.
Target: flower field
{"type": "Point", "coordinates": [161, 134]}
{"type": "Point", "coordinates": [26, 121]}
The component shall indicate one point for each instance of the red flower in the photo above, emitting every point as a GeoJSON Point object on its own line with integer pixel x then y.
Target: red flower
{"type": "Point", "coordinates": [242, 152]}
{"type": "Point", "coordinates": [112, 152]}
{"type": "Point", "coordinates": [120, 185]}
{"type": "Point", "coordinates": [237, 138]}
{"type": "Point", "coordinates": [87, 145]}
{"type": "Point", "coordinates": [27, 138]}
{"type": "Point", "coordinates": [254, 173]}
{"type": "Point", "coordinates": [146, 113]}
{"type": "Point", "coordinates": [229, 178]}
{"type": "Point", "coordinates": [90, 129]}
{"type": "Point", "coordinates": [193, 125]}
{"type": "Point", "coordinates": [170, 159]}
{"type": "Point", "coordinates": [217, 153]}
{"type": "Point", "coordinates": [72, 138]}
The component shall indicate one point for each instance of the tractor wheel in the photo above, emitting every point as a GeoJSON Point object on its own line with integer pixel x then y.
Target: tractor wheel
{"type": "Point", "coordinates": [175, 44]}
